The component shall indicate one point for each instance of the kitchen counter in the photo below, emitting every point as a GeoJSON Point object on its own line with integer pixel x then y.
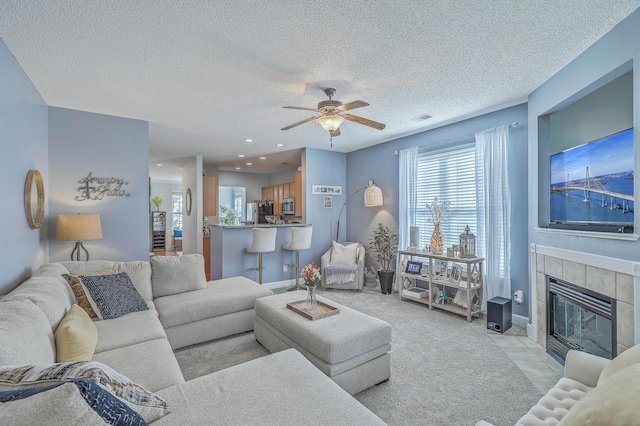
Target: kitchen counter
{"type": "Point", "coordinates": [260, 225]}
{"type": "Point", "coordinates": [229, 257]}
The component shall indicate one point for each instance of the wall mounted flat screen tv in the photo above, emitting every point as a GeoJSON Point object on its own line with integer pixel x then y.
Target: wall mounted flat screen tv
{"type": "Point", "coordinates": [592, 185]}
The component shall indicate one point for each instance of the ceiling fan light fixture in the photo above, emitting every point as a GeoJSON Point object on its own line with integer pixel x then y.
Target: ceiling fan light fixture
{"type": "Point", "coordinates": [330, 122]}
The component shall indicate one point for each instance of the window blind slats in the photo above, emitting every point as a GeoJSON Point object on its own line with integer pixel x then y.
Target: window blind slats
{"type": "Point", "coordinates": [449, 175]}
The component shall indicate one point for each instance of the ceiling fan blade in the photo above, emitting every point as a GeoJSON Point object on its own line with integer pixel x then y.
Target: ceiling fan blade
{"type": "Point", "coordinates": [335, 132]}
{"type": "Point", "coordinates": [364, 121]}
{"type": "Point", "coordinates": [306, 109]}
{"type": "Point", "coordinates": [300, 122]}
{"type": "Point", "coordinates": [352, 105]}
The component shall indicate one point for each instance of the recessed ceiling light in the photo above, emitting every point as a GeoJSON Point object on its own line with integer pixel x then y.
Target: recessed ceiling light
{"type": "Point", "coordinates": [159, 164]}
{"type": "Point", "coordinates": [248, 140]}
{"type": "Point", "coordinates": [241, 155]}
{"type": "Point", "coordinates": [237, 168]}
{"type": "Point", "coordinates": [249, 164]}
{"type": "Point", "coordinates": [263, 158]}
{"type": "Point", "coordinates": [279, 144]}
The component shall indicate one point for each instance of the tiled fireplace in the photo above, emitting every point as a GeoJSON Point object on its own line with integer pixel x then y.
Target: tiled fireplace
{"type": "Point", "coordinates": [610, 277]}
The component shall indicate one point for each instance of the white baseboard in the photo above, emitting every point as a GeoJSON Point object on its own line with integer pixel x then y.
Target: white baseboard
{"type": "Point", "coordinates": [532, 332]}
{"type": "Point", "coordinates": [280, 284]}
{"type": "Point", "coordinates": [520, 320]}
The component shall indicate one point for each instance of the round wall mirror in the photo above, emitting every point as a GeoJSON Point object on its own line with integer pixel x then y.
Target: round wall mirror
{"type": "Point", "coordinates": [187, 202]}
{"type": "Point", "coordinates": [34, 199]}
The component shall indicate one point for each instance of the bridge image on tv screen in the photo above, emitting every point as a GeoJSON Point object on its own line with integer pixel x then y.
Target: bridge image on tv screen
{"type": "Point", "coordinates": [593, 183]}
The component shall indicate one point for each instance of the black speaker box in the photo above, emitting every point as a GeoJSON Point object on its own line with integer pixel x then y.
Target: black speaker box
{"type": "Point", "coordinates": [499, 314]}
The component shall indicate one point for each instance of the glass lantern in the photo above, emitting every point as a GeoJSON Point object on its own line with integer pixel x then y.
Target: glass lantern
{"type": "Point", "coordinates": [467, 244]}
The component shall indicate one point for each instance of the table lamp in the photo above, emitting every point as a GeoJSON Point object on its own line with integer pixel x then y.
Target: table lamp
{"type": "Point", "coordinates": [78, 228]}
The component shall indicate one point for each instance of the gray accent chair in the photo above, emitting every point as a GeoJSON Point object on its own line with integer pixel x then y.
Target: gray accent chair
{"type": "Point", "coordinates": [356, 284]}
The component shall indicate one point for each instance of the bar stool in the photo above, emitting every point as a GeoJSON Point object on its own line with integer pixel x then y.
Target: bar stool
{"type": "Point", "coordinates": [264, 240]}
{"type": "Point", "coordinates": [300, 240]}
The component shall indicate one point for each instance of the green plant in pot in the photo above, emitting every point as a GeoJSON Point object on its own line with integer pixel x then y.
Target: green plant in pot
{"type": "Point", "coordinates": [383, 244]}
{"type": "Point", "coordinates": [157, 201]}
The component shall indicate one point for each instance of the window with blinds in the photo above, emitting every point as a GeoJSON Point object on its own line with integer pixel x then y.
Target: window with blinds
{"type": "Point", "coordinates": [449, 175]}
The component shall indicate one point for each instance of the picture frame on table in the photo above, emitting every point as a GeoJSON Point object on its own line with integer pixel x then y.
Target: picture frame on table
{"type": "Point", "coordinates": [413, 268]}
{"type": "Point", "coordinates": [456, 273]}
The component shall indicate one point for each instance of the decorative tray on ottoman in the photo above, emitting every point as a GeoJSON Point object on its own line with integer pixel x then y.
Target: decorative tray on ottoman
{"type": "Point", "coordinates": [322, 311]}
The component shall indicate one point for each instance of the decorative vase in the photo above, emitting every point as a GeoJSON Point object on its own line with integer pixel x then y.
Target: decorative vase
{"type": "Point", "coordinates": [437, 241]}
{"type": "Point", "coordinates": [312, 303]}
{"type": "Point", "coordinates": [386, 281]}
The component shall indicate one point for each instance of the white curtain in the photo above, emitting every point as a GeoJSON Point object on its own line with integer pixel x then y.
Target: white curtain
{"type": "Point", "coordinates": [408, 196]}
{"type": "Point", "coordinates": [494, 209]}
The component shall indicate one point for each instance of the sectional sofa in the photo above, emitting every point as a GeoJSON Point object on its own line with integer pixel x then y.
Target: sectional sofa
{"type": "Point", "coordinates": [593, 391]}
{"type": "Point", "coordinates": [176, 308]}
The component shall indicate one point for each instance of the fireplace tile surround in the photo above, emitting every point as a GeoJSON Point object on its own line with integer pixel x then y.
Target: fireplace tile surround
{"type": "Point", "coordinates": [612, 277]}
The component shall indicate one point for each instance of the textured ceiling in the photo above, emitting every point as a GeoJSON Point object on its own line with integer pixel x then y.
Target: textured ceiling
{"type": "Point", "coordinates": [209, 74]}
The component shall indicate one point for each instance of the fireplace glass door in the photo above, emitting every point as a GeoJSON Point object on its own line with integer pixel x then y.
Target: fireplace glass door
{"type": "Point", "coordinates": [581, 321]}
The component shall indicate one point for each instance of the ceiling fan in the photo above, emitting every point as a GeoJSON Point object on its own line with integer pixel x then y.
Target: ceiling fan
{"type": "Point", "coordinates": [331, 116]}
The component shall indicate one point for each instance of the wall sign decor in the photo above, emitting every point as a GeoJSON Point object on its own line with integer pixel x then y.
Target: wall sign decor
{"type": "Point", "coordinates": [188, 202]}
{"type": "Point", "coordinates": [95, 188]}
{"type": "Point", "coordinates": [326, 190]}
{"type": "Point", "coordinates": [34, 199]}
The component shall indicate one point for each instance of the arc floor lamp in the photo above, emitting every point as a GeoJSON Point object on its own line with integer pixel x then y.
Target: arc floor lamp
{"type": "Point", "coordinates": [372, 198]}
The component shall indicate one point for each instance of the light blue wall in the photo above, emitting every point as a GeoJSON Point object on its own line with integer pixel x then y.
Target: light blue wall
{"type": "Point", "coordinates": [82, 142]}
{"type": "Point", "coordinates": [284, 176]}
{"type": "Point", "coordinates": [606, 59]}
{"type": "Point", "coordinates": [192, 224]}
{"type": "Point", "coordinates": [23, 146]}
{"type": "Point", "coordinates": [380, 163]}
{"type": "Point", "coordinates": [320, 167]}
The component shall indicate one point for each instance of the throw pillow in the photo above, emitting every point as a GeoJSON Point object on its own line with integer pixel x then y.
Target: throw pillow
{"type": "Point", "coordinates": [147, 404]}
{"type": "Point", "coordinates": [612, 402]}
{"type": "Point", "coordinates": [78, 290]}
{"type": "Point", "coordinates": [344, 254]}
{"type": "Point", "coordinates": [620, 362]}
{"type": "Point", "coordinates": [76, 336]}
{"type": "Point", "coordinates": [177, 274]}
{"type": "Point", "coordinates": [69, 403]}
{"type": "Point", "coordinates": [112, 296]}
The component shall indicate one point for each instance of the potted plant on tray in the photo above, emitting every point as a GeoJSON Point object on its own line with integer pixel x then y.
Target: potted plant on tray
{"type": "Point", "coordinates": [383, 244]}
{"type": "Point", "coordinates": [157, 201]}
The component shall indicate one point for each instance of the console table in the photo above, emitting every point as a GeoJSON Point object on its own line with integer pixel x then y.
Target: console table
{"type": "Point", "coordinates": [436, 274]}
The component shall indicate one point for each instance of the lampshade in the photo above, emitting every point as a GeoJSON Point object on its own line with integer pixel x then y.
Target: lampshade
{"type": "Point", "coordinates": [330, 122]}
{"type": "Point", "coordinates": [78, 227]}
{"type": "Point", "coordinates": [372, 195]}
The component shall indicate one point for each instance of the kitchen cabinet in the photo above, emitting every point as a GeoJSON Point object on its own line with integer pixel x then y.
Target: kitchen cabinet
{"type": "Point", "coordinates": [298, 194]}
{"type": "Point", "coordinates": [286, 193]}
{"type": "Point", "coordinates": [270, 193]}
{"type": "Point", "coordinates": [206, 253]}
{"type": "Point", "coordinates": [209, 195]}
{"type": "Point", "coordinates": [264, 193]}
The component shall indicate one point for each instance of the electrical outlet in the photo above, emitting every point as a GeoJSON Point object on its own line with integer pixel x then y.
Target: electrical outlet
{"type": "Point", "coordinates": [284, 268]}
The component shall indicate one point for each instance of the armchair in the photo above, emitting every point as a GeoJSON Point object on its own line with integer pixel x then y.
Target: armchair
{"type": "Point", "coordinates": [327, 270]}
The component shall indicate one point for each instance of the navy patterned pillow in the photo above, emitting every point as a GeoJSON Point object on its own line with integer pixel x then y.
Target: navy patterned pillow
{"type": "Point", "coordinates": [112, 296]}
{"type": "Point", "coordinates": [65, 404]}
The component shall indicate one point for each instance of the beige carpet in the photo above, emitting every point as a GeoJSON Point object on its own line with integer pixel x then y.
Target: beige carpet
{"type": "Point", "coordinates": [444, 371]}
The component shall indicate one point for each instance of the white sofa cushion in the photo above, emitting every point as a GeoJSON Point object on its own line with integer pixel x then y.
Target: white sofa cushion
{"type": "Point", "coordinates": [613, 402]}
{"type": "Point", "coordinates": [247, 394]}
{"type": "Point", "coordinates": [26, 336]}
{"type": "Point", "coordinates": [553, 406]}
{"type": "Point", "coordinates": [51, 295]}
{"type": "Point", "coordinates": [627, 358]}
{"type": "Point", "coordinates": [220, 297]}
{"type": "Point", "coordinates": [177, 274]}
{"type": "Point", "coordinates": [136, 327]}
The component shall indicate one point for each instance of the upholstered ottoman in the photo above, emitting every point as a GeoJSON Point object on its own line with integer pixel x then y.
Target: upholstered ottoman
{"type": "Point", "coordinates": [351, 348]}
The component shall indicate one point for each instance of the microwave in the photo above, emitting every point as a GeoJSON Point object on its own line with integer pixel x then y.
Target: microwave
{"type": "Point", "coordinates": [289, 206]}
